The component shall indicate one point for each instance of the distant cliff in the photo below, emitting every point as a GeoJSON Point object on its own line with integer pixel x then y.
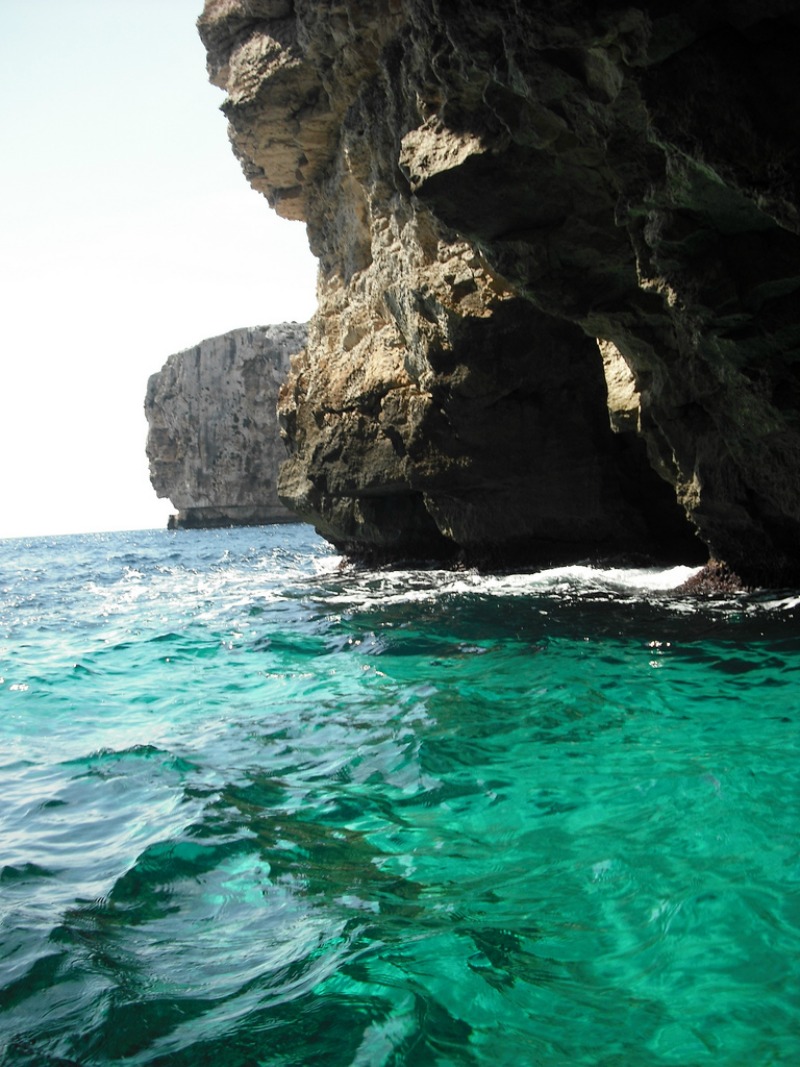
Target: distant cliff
{"type": "Point", "coordinates": [559, 270]}
{"type": "Point", "coordinates": [213, 441]}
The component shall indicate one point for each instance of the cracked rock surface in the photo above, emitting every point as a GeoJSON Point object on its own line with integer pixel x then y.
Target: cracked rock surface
{"type": "Point", "coordinates": [558, 271]}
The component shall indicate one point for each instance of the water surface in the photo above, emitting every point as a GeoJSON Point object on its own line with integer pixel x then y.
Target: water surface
{"type": "Point", "coordinates": [261, 810]}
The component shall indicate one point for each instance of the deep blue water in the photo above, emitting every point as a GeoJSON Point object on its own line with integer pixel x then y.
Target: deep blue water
{"type": "Point", "coordinates": [260, 810]}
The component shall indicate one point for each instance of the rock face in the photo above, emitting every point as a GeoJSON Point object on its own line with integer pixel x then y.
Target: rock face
{"type": "Point", "coordinates": [559, 270]}
{"type": "Point", "coordinates": [213, 443]}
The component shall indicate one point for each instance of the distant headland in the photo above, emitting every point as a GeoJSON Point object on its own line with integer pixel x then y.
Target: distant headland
{"type": "Point", "coordinates": [213, 441]}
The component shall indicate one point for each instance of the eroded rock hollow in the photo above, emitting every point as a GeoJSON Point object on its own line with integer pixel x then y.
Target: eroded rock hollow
{"type": "Point", "coordinates": [558, 247]}
{"type": "Point", "coordinates": [213, 441]}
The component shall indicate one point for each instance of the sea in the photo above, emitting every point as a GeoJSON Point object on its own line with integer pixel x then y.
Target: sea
{"type": "Point", "coordinates": [259, 807]}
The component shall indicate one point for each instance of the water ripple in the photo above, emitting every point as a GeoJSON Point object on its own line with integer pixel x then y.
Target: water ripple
{"type": "Point", "coordinates": [261, 808]}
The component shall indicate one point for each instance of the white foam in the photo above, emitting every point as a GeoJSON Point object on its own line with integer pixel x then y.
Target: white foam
{"type": "Point", "coordinates": [363, 588]}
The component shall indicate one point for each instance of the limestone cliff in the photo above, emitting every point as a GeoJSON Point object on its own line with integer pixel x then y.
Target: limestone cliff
{"type": "Point", "coordinates": [558, 248]}
{"type": "Point", "coordinates": [213, 440]}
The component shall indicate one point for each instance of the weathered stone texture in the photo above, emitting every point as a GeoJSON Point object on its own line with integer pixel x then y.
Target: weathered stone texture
{"type": "Point", "coordinates": [493, 189]}
{"type": "Point", "coordinates": [213, 442]}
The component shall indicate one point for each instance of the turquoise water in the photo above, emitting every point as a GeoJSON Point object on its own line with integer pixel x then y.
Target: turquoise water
{"type": "Point", "coordinates": [260, 810]}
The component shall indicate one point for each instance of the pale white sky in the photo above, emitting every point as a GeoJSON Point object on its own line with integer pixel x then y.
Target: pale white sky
{"type": "Point", "coordinates": [127, 233]}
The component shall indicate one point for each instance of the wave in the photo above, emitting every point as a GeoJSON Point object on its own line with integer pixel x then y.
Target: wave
{"type": "Point", "coordinates": [357, 586]}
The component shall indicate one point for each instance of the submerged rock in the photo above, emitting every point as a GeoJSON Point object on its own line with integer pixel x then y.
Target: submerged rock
{"type": "Point", "coordinates": [559, 264]}
{"type": "Point", "coordinates": [213, 442]}
{"type": "Point", "coordinates": [715, 577]}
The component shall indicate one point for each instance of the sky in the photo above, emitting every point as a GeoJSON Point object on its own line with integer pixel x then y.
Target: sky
{"type": "Point", "coordinates": [127, 232]}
